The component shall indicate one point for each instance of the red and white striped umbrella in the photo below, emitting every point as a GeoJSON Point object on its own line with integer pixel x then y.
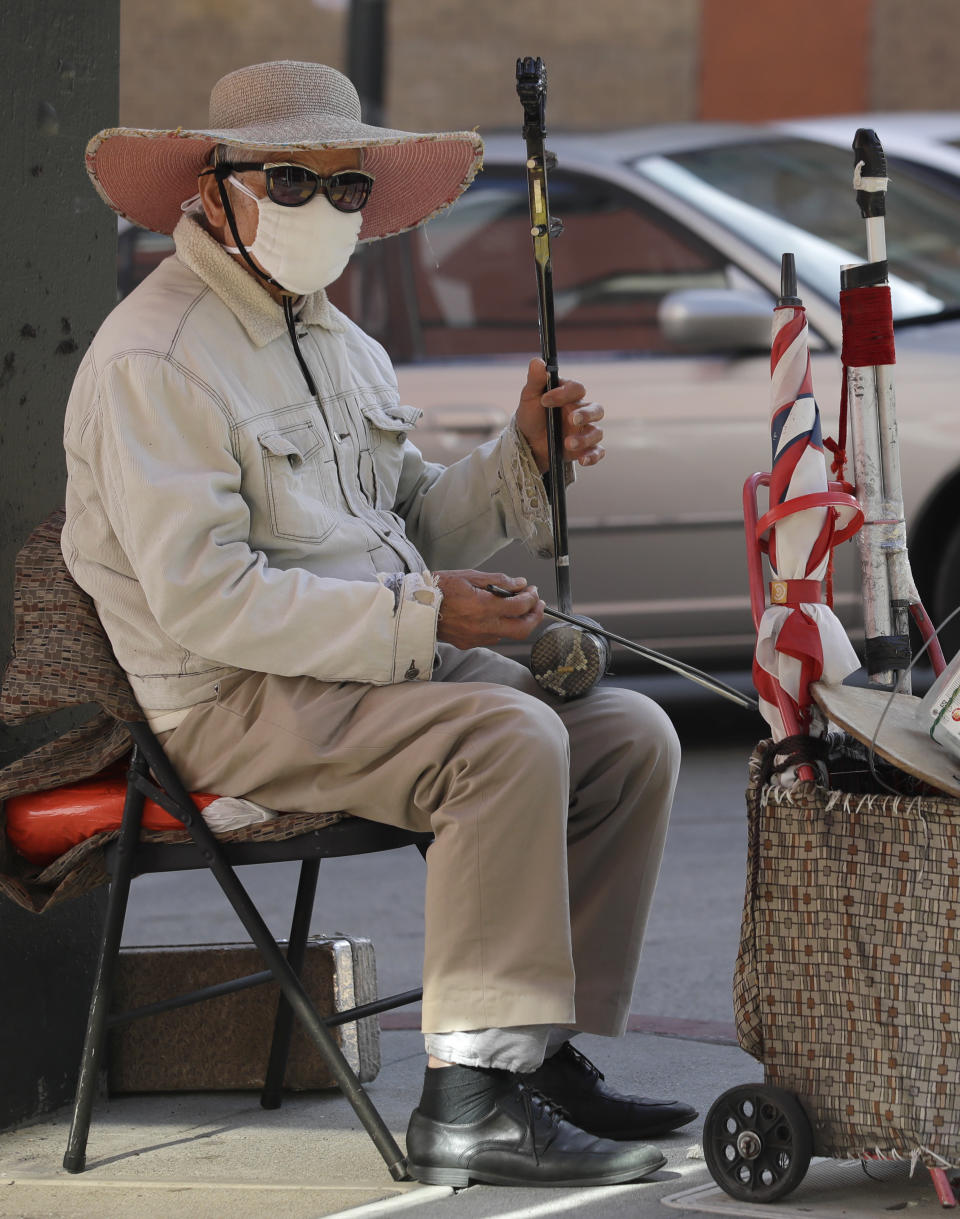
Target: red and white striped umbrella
{"type": "Point", "coordinates": [800, 640]}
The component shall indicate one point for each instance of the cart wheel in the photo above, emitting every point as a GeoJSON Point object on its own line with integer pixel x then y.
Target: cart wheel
{"type": "Point", "coordinates": [757, 1142]}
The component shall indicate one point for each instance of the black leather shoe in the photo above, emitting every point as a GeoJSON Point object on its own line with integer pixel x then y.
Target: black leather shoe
{"type": "Point", "coordinates": [524, 1140]}
{"type": "Point", "coordinates": [572, 1081]}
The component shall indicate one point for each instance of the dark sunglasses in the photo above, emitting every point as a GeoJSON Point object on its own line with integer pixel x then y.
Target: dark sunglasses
{"type": "Point", "coordinates": [294, 185]}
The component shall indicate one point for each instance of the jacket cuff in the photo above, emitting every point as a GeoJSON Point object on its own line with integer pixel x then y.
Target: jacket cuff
{"type": "Point", "coordinates": [416, 608]}
{"type": "Point", "coordinates": [527, 505]}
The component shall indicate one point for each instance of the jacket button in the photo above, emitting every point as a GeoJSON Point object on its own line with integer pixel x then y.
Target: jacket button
{"type": "Point", "coordinates": [412, 672]}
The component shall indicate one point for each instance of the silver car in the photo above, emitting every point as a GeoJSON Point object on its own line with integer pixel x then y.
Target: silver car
{"type": "Point", "coordinates": [665, 277]}
{"type": "Point", "coordinates": [929, 136]}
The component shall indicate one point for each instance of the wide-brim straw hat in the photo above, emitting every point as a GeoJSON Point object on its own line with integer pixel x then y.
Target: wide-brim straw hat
{"type": "Point", "coordinates": [284, 106]}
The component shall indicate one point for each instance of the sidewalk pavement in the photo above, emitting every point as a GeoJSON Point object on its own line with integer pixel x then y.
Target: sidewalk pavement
{"type": "Point", "coordinates": [220, 1154]}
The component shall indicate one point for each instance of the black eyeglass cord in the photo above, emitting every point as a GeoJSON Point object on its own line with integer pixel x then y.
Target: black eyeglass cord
{"type": "Point", "coordinates": [292, 331]}
{"type": "Point", "coordinates": [232, 222]}
{"type": "Point", "coordinates": [287, 299]}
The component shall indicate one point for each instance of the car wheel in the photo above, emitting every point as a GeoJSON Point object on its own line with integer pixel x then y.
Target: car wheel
{"type": "Point", "coordinates": [946, 595]}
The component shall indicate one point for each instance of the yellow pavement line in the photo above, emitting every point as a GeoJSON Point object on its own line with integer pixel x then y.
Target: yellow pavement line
{"type": "Point", "coordinates": [574, 1200]}
{"type": "Point", "coordinates": [91, 1182]}
{"type": "Point", "coordinates": [399, 1202]}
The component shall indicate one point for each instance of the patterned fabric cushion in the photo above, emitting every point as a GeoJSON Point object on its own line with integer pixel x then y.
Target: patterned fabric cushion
{"type": "Point", "coordinates": [61, 657]}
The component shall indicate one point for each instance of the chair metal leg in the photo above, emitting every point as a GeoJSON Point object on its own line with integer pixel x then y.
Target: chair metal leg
{"type": "Point", "coordinates": [258, 931]}
{"type": "Point", "coordinates": [291, 986]}
{"type": "Point", "coordinates": [95, 1040]}
{"type": "Point", "coordinates": [271, 1096]}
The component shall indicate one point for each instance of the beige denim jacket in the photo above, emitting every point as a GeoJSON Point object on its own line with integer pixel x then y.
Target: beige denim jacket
{"type": "Point", "coordinates": [221, 518]}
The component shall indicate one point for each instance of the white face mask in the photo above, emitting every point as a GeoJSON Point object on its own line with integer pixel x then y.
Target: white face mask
{"type": "Point", "coordinates": [303, 248]}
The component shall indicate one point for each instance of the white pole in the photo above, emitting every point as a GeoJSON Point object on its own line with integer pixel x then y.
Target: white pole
{"type": "Point", "coordinates": [868, 479]}
{"type": "Point", "coordinates": [903, 590]}
{"type": "Point", "coordinates": [874, 416]}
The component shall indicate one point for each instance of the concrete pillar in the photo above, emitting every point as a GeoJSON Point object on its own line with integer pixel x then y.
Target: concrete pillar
{"type": "Point", "coordinates": [59, 64]}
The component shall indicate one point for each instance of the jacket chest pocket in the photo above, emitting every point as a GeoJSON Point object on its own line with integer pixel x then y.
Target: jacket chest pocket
{"type": "Point", "coordinates": [387, 428]}
{"type": "Point", "coordinates": [297, 479]}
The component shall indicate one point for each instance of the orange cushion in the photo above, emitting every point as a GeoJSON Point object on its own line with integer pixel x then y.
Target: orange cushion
{"type": "Point", "coordinates": [42, 825]}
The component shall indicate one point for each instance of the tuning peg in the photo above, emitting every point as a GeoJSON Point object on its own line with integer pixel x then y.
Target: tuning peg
{"type": "Point", "coordinates": [555, 228]}
{"type": "Point", "coordinates": [548, 161]}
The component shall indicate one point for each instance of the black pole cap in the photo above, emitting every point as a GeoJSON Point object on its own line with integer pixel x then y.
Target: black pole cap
{"type": "Point", "coordinates": [868, 150]}
{"type": "Point", "coordinates": [788, 282]}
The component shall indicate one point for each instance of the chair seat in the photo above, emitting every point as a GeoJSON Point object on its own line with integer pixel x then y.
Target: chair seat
{"type": "Point", "coordinates": [43, 825]}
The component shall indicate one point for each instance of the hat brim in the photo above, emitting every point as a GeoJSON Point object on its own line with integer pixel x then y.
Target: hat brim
{"type": "Point", "coordinates": [145, 175]}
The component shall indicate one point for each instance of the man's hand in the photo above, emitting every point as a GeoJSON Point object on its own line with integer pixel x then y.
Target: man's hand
{"type": "Point", "coordinates": [470, 617]}
{"type": "Point", "coordinates": [581, 436]}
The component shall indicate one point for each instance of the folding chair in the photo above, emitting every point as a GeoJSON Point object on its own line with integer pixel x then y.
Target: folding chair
{"type": "Point", "coordinates": [62, 657]}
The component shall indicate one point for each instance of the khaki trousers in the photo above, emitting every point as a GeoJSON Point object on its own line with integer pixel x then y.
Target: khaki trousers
{"type": "Point", "coordinates": [549, 819]}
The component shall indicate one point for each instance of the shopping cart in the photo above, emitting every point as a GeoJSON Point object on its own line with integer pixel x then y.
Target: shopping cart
{"type": "Point", "coordinates": [847, 983]}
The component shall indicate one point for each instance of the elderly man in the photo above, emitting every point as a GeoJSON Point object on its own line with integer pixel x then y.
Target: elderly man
{"type": "Point", "coordinates": [292, 591]}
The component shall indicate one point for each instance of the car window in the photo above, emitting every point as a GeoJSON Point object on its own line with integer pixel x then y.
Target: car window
{"type": "Point", "coordinates": [471, 277]}
{"type": "Point", "coordinates": [796, 194]}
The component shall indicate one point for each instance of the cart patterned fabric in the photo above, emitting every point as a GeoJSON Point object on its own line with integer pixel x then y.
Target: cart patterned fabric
{"type": "Point", "coordinates": [847, 985]}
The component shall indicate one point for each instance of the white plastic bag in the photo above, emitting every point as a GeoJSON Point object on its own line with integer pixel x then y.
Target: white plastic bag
{"type": "Point", "coordinates": [232, 813]}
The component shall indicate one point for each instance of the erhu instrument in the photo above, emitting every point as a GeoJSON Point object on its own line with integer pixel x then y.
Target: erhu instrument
{"type": "Point", "coordinates": [566, 659]}
{"type": "Point", "coordinates": [571, 656]}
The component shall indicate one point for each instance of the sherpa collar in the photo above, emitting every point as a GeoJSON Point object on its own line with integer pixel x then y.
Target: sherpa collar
{"type": "Point", "coordinates": [254, 308]}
